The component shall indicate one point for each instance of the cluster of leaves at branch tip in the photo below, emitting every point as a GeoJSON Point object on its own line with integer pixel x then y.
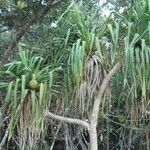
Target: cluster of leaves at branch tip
{"type": "Point", "coordinates": [33, 83]}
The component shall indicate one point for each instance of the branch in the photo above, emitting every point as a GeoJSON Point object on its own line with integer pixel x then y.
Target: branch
{"type": "Point", "coordinates": [24, 28]}
{"type": "Point", "coordinates": [67, 120]}
{"type": "Point", "coordinates": [95, 110]}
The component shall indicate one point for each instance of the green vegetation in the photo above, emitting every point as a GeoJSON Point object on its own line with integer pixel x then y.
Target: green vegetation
{"type": "Point", "coordinates": [60, 64]}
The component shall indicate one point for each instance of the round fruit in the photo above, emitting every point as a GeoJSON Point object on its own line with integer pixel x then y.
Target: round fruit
{"type": "Point", "coordinates": [33, 84]}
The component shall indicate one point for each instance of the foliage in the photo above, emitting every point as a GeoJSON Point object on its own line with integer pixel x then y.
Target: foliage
{"type": "Point", "coordinates": [15, 13]}
{"type": "Point", "coordinates": [28, 81]}
{"type": "Point", "coordinates": [77, 44]}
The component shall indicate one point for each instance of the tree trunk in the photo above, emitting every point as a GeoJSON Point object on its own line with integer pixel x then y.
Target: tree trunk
{"type": "Point", "coordinates": [91, 127]}
{"type": "Point", "coordinates": [93, 137]}
{"type": "Point", "coordinates": [95, 111]}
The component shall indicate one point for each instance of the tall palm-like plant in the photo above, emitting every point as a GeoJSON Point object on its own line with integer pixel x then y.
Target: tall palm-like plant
{"type": "Point", "coordinates": [86, 59]}
{"type": "Point", "coordinates": [90, 61]}
{"type": "Point", "coordinates": [29, 84]}
{"type": "Point", "coordinates": [137, 54]}
{"type": "Point", "coordinates": [109, 106]}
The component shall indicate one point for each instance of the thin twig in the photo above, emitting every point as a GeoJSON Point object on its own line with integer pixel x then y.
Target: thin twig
{"type": "Point", "coordinates": [127, 127]}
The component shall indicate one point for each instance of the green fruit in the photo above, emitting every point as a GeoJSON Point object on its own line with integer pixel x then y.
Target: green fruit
{"type": "Point", "coordinates": [33, 84]}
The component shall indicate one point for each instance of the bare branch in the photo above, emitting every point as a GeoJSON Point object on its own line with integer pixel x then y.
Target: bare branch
{"type": "Point", "coordinates": [67, 120]}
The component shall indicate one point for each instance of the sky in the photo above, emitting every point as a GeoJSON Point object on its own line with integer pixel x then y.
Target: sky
{"type": "Point", "coordinates": [106, 10]}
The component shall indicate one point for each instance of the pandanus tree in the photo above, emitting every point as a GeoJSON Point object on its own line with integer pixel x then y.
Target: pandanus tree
{"type": "Point", "coordinates": [90, 71]}
{"type": "Point", "coordinates": [29, 84]}
{"type": "Point", "coordinates": [93, 66]}
{"type": "Point", "coordinates": [94, 79]}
